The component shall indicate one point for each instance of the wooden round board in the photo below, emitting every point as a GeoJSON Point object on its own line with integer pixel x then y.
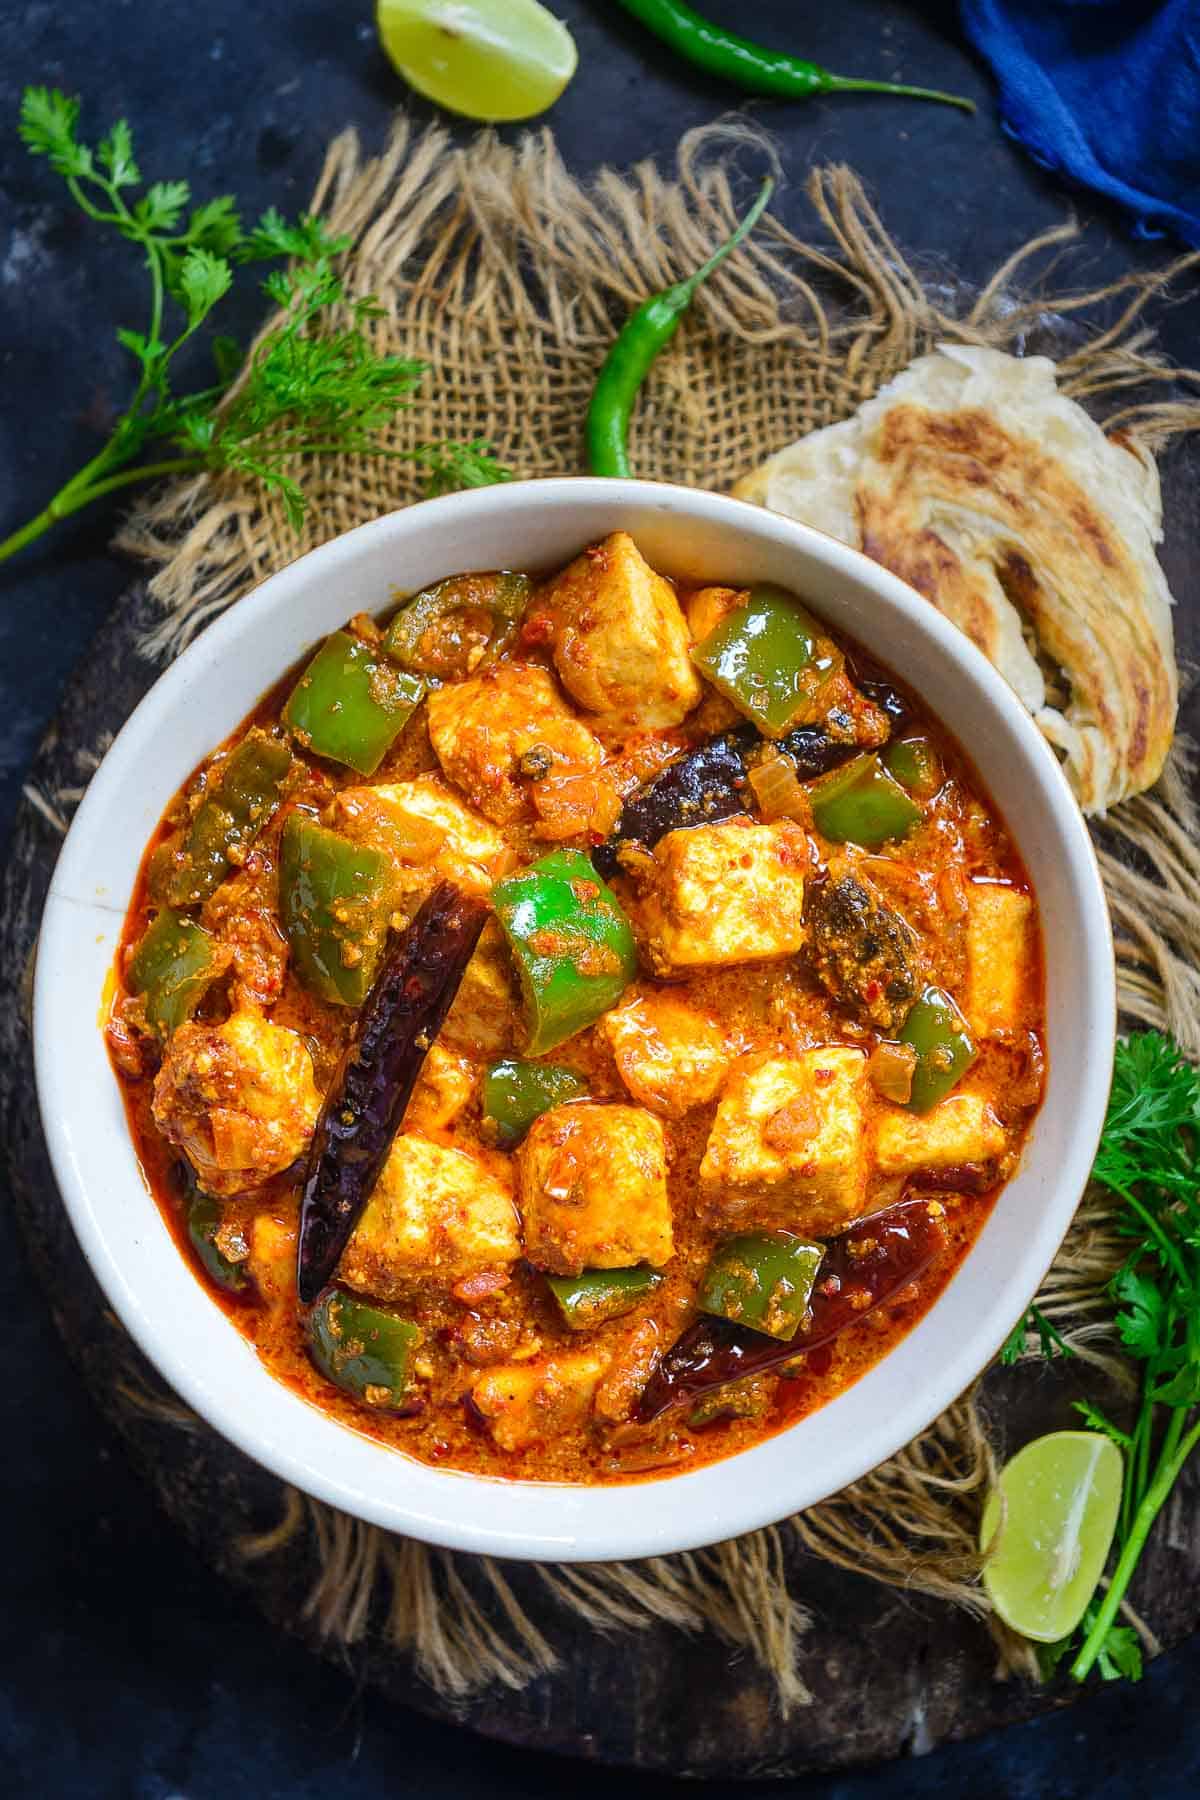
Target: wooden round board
{"type": "Point", "coordinates": [660, 1700]}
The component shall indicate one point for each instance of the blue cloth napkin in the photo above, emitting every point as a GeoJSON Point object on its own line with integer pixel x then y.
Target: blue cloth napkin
{"type": "Point", "coordinates": [1106, 92]}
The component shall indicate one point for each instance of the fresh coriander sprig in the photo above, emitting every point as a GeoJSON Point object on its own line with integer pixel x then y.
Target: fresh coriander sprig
{"type": "Point", "coordinates": [1149, 1157]}
{"type": "Point", "coordinates": [306, 389]}
{"type": "Point", "coordinates": [1050, 1341]}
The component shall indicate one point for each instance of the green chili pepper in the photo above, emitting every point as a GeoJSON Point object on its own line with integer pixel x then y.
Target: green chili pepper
{"type": "Point", "coordinates": [351, 703]}
{"type": "Point", "coordinates": [600, 1294]}
{"type": "Point", "coordinates": [938, 1033]}
{"type": "Point", "coordinates": [572, 944]}
{"type": "Point", "coordinates": [753, 66]}
{"type": "Point", "coordinates": [174, 964]}
{"type": "Point", "coordinates": [516, 1093]}
{"type": "Point", "coordinates": [647, 331]}
{"type": "Point", "coordinates": [764, 1280]}
{"type": "Point", "coordinates": [770, 658]}
{"type": "Point", "coordinates": [231, 815]}
{"type": "Point", "coordinates": [505, 601]}
{"type": "Point", "coordinates": [203, 1224]}
{"type": "Point", "coordinates": [334, 905]}
{"type": "Point", "coordinates": [914, 763]}
{"type": "Point", "coordinates": [363, 1349]}
{"type": "Point", "coordinates": [862, 804]}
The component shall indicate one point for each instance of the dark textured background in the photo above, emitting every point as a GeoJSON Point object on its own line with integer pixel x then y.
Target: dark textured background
{"type": "Point", "coordinates": [125, 1670]}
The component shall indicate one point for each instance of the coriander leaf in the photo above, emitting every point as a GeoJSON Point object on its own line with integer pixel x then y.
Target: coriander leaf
{"type": "Point", "coordinates": [1013, 1347]}
{"type": "Point", "coordinates": [277, 287]}
{"type": "Point", "coordinates": [1098, 1421]}
{"type": "Point", "coordinates": [453, 466]}
{"type": "Point", "coordinates": [1154, 1087]}
{"type": "Point", "coordinates": [203, 280]}
{"type": "Point", "coordinates": [116, 155]}
{"type": "Point", "coordinates": [215, 226]}
{"type": "Point", "coordinates": [135, 342]}
{"type": "Point", "coordinates": [161, 206]}
{"type": "Point", "coordinates": [1120, 1654]}
{"type": "Point", "coordinates": [1051, 1342]}
{"type": "Point", "coordinates": [1050, 1655]}
{"type": "Point", "coordinates": [274, 236]}
{"type": "Point", "coordinates": [47, 127]}
{"type": "Point", "coordinates": [1050, 1339]}
{"type": "Point", "coordinates": [1183, 1389]}
{"type": "Point", "coordinates": [194, 428]}
{"type": "Point", "coordinates": [1143, 1323]}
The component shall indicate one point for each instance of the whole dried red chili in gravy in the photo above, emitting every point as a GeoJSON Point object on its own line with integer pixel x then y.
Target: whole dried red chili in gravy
{"type": "Point", "coordinates": [774, 951]}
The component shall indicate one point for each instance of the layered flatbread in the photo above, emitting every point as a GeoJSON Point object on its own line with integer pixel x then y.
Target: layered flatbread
{"type": "Point", "coordinates": [974, 479]}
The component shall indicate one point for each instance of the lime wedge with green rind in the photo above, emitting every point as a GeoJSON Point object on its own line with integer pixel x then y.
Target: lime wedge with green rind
{"type": "Point", "coordinates": [490, 60]}
{"type": "Point", "coordinates": [1049, 1523]}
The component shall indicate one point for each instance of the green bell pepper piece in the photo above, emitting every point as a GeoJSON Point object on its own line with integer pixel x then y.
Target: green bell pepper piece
{"type": "Point", "coordinates": [203, 1224]}
{"type": "Point", "coordinates": [945, 1049]}
{"type": "Point", "coordinates": [862, 804]}
{"type": "Point", "coordinates": [334, 905]}
{"type": "Point", "coordinates": [351, 703]}
{"type": "Point", "coordinates": [173, 966]}
{"type": "Point", "coordinates": [364, 1350]}
{"type": "Point", "coordinates": [515, 1093]}
{"type": "Point", "coordinates": [771, 659]}
{"type": "Point", "coordinates": [572, 944]}
{"type": "Point", "coordinates": [231, 814]}
{"type": "Point", "coordinates": [764, 1280]}
{"type": "Point", "coordinates": [914, 762]}
{"type": "Point", "coordinates": [600, 1294]}
{"type": "Point", "coordinates": [504, 596]}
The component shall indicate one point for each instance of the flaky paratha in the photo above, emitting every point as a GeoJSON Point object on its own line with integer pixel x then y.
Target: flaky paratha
{"type": "Point", "coordinates": [1006, 505]}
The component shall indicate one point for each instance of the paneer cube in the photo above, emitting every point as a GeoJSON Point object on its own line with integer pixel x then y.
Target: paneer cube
{"type": "Point", "coordinates": [728, 893]}
{"type": "Point", "coordinates": [500, 731]}
{"type": "Point", "coordinates": [670, 1055]}
{"type": "Point", "coordinates": [1000, 957]}
{"type": "Point", "coordinates": [436, 1214]}
{"type": "Point", "coordinates": [237, 1098]}
{"type": "Point", "coordinates": [485, 1017]}
{"type": "Point", "coordinates": [425, 829]}
{"type": "Point", "coordinates": [529, 1403]}
{"type": "Point", "coordinates": [620, 640]}
{"type": "Point", "coordinates": [960, 1129]}
{"type": "Point", "coordinates": [787, 1149]}
{"type": "Point", "coordinates": [443, 1091]}
{"type": "Point", "coordinates": [592, 1189]}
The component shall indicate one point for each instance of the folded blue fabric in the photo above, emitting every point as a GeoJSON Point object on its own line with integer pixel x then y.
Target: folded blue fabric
{"type": "Point", "coordinates": [1106, 92]}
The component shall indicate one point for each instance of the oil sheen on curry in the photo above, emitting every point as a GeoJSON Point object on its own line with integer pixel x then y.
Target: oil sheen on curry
{"type": "Point", "coordinates": [577, 1026]}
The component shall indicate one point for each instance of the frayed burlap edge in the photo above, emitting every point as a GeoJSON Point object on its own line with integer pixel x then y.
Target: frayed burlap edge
{"type": "Point", "coordinates": [507, 274]}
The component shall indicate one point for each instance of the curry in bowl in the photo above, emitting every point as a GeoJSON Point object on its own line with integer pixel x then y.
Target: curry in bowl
{"type": "Point", "coordinates": [576, 1026]}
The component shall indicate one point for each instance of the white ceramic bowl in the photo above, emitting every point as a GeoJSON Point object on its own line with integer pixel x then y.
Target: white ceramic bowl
{"type": "Point", "coordinates": [203, 697]}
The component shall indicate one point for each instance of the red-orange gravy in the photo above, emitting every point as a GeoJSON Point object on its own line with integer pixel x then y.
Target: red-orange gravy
{"type": "Point", "coordinates": [773, 1006]}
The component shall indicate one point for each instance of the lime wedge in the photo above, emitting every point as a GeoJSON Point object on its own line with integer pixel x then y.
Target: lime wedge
{"type": "Point", "coordinates": [486, 59]}
{"type": "Point", "coordinates": [1055, 1509]}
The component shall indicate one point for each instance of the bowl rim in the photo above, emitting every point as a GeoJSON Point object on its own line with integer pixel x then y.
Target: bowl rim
{"type": "Point", "coordinates": [514, 1518]}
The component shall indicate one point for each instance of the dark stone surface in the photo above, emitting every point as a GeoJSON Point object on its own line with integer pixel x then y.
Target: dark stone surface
{"type": "Point", "coordinates": [126, 1667]}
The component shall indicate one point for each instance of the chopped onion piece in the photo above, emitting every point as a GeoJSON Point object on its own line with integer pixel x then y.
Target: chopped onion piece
{"type": "Point", "coordinates": [777, 789]}
{"type": "Point", "coordinates": [891, 1069]}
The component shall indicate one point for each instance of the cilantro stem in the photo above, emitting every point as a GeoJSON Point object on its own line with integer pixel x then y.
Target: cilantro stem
{"type": "Point", "coordinates": [1170, 1466]}
{"type": "Point", "coordinates": [72, 497]}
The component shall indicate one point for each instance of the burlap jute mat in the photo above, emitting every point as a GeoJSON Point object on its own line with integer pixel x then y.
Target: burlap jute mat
{"type": "Point", "coordinates": [507, 275]}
